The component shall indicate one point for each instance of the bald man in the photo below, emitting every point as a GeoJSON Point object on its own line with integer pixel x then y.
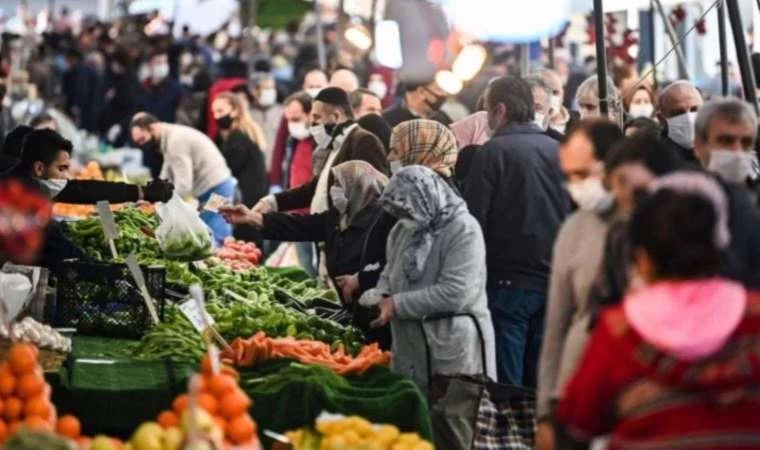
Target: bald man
{"type": "Point", "coordinates": [345, 79]}
{"type": "Point", "coordinates": [314, 81]}
{"type": "Point", "coordinates": [677, 111]}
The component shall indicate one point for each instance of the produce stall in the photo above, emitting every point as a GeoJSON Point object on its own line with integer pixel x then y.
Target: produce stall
{"type": "Point", "coordinates": [139, 341]}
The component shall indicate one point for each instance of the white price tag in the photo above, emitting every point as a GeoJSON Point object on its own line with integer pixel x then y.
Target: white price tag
{"type": "Point", "coordinates": [137, 274]}
{"type": "Point", "coordinates": [195, 315]}
{"type": "Point", "coordinates": [109, 225]}
{"type": "Point", "coordinates": [215, 202]}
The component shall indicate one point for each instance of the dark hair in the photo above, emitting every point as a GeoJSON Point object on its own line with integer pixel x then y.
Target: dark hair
{"type": "Point", "coordinates": [516, 94]}
{"type": "Point", "coordinates": [677, 230]}
{"type": "Point", "coordinates": [375, 124]}
{"type": "Point", "coordinates": [356, 97]}
{"type": "Point", "coordinates": [413, 86]}
{"type": "Point", "coordinates": [40, 119]}
{"type": "Point", "coordinates": [42, 145]}
{"type": "Point", "coordinates": [335, 97]}
{"type": "Point", "coordinates": [602, 133]}
{"type": "Point", "coordinates": [648, 150]}
{"type": "Point", "coordinates": [14, 141]}
{"type": "Point", "coordinates": [143, 120]}
{"type": "Point", "coordinates": [645, 125]}
{"type": "Point", "coordinates": [303, 98]}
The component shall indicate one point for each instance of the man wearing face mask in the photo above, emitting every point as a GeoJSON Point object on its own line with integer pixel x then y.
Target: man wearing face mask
{"type": "Point", "coordinates": [677, 111]}
{"type": "Point", "coordinates": [542, 106]}
{"type": "Point", "coordinates": [162, 93]}
{"type": "Point", "coordinates": [421, 101]}
{"type": "Point", "coordinates": [338, 139]}
{"type": "Point", "coordinates": [562, 120]}
{"type": "Point", "coordinates": [515, 191]}
{"type": "Point", "coordinates": [192, 162]}
{"type": "Point", "coordinates": [266, 111]}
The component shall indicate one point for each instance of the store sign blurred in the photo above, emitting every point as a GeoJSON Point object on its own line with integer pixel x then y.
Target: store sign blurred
{"type": "Point", "coordinates": [504, 21]}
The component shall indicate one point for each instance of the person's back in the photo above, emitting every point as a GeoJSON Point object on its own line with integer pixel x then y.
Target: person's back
{"type": "Point", "coordinates": [183, 146]}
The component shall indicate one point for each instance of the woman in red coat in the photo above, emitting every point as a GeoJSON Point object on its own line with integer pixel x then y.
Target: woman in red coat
{"type": "Point", "coordinates": [676, 365]}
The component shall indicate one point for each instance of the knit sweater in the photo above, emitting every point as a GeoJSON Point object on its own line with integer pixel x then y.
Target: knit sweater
{"type": "Point", "coordinates": [191, 160]}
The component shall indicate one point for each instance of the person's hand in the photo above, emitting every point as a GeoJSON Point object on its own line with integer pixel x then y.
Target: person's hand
{"type": "Point", "coordinates": [263, 206]}
{"type": "Point", "coordinates": [158, 191]}
{"type": "Point", "coordinates": [387, 312]}
{"type": "Point", "coordinates": [545, 436]}
{"type": "Point", "coordinates": [240, 215]}
{"type": "Point", "coordinates": [349, 286]}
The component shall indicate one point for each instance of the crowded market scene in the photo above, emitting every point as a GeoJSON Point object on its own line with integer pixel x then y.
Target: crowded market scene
{"type": "Point", "coordinates": [379, 224]}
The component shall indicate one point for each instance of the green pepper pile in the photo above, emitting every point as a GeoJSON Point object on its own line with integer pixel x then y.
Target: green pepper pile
{"type": "Point", "coordinates": [135, 228]}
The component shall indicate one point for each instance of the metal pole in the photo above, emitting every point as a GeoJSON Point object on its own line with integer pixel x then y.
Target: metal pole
{"type": "Point", "coordinates": [742, 53]}
{"type": "Point", "coordinates": [524, 60]}
{"type": "Point", "coordinates": [652, 43]}
{"type": "Point", "coordinates": [551, 51]}
{"type": "Point", "coordinates": [723, 50]}
{"type": "Point", "coordinates": [683, 71]}
{"type": "Point", "coordinates": [321, 52]}
{"type": "Point", "coordinates": [601, 57]}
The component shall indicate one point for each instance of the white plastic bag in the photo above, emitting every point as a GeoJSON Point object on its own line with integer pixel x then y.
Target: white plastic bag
{"type": "Point", "coordinates": [182, 234]}
{"type": "Point", "coordinates": [15, 292]}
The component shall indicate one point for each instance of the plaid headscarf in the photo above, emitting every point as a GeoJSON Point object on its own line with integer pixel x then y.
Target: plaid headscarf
{"type": "Point", "coordinates": [360, 184]}
{"type": "Point", "coordinates": [420, 194]}
{"type": "Point", "coordinates": [426, 143]}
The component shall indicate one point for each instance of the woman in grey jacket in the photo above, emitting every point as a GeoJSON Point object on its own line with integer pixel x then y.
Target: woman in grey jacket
{"type": "Point", "coordinates": [436, 264]}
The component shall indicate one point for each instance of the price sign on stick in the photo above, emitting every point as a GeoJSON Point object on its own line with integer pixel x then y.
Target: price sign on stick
{"type": "Point", "coordinates": [109, 225]}
{"type": "Point", "coordinates": [200, 311]}
{"type": "Point", "coordinates": [137, 274]}
{"type": "Point", "coordinates": [200, 319]}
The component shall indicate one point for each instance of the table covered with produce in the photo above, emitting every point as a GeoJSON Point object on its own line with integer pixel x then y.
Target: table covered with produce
{"type": "Point", "coordinates": [135, 344]}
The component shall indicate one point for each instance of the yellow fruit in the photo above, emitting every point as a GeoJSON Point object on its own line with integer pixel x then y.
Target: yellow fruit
{"type": "Point", "coordinates": [386, 434]}
{"type": "Point", "coordinates": [102, 443]}
{"type": "Point", "coordinates": [149, 436]}
{"type": "Point", "coordinates": [173, 438]}
{"type": "Point", "coordinates": [423, 445]}
{"type": "Point", "coordinates": [408, 438]}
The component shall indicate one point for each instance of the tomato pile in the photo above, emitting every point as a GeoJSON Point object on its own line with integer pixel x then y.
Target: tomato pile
{"type": "Point", "coordinates": [238, 255]}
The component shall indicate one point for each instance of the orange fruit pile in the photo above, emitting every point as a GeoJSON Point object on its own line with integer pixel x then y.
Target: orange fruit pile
{"type": "Point", "coordinates": [221, 397]}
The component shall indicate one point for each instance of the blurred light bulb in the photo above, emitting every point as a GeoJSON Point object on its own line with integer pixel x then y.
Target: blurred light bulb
{"type": "Point", "coordinates": [359, 37]}
{"type": "Point", "coordinates": [388, 44]}
{"type": "Point", "coordinates": [469, 62]}
{"type": "Point", "coordinates": [448, 82]}
{"type": "Point", "coordinates": [633, 51]}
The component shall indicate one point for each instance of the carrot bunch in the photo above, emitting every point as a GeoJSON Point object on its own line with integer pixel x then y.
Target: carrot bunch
{"type": "Point", "coordinates": [221, 397]}
{"type": "Point", "coordinates": [259, 347]}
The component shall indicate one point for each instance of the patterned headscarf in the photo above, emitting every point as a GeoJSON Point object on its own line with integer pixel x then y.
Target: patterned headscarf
{"type": "Point", "coordinates": [420, 194]}
{"type": "Point", "coordinates": [424, 142]}
{"type": "Point", "coordinates": [357, 184]}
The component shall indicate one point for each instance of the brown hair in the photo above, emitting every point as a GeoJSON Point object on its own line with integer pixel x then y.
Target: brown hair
{"type": "Point", "coordinates": [243, 121]}
{"type": "Point", "coordinates": [628, 98]}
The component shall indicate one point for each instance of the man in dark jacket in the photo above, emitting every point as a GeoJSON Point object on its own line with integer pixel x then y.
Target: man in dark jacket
{"type": "Point", "coordinates": [339, 139]}
{"type": "Point", "coordinates": [163, 93]}
{"type": "Point", "coordinates": [81, 86]}
{"type": "Point", "coordinates": [515, 190]}
{"type": "Point", "coordinates": [421, 101]}
{"type": "Point", "coordinates": [677, 109]}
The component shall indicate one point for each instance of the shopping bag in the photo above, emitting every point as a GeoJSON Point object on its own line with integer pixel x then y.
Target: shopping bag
{"type": "Point", "coordinates": [182, 234]}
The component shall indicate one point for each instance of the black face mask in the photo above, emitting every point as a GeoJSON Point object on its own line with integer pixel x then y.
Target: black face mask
{"type": "Point", "coordinates": [150, 146]}
{"type": "Point", "coordinates": [224, 122]}
{"type": "Point", "coordinates": [436, 104]}
{"type": "Point", "coordinates": [330, 128]}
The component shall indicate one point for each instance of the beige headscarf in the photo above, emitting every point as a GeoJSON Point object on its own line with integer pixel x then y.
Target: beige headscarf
{"type": "Point", "coordinates": [426, 143]}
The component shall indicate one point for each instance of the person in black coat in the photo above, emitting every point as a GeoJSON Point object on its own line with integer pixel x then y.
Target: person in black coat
{"type": "Point", "coordinates": [243, 155]}
{"type": "Point", "coordinates": [354, 229]}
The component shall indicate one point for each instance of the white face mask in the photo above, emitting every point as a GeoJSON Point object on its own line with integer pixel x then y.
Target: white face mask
{"type": "Point", "coordinates": [396, 166]}
{"type": "Point", "coordinates": [313, 92]}
{"type": "Point", "coordinates": [159, 72]}
{"type": "Point", "coordinates": [53, 186]}
{"type": "Point", "coordinates": [339, 200]}
{"type": "Point", "coordinates": [732, 166]}
{"type": "Point", "coordinates": [681, 129]}
{"type": "Point", "coordinates": [641, 110]}
{"type": "Point", "coordinates": [320, 135]}
{"type": "Point", "coordinates": [409, 224]}
{"type": "Point", "coordinates": [379, 88]}
{"type": "Point", "coordinates": [588, 194]}
{"type": "Point", "coordinates": [540, 120]}
{"type": "Point", "coordinates": [298, 130]}
{"type": "Point", "coordinates": [268, 97]}
{"type": "Point", "coordinates": [555, 102]}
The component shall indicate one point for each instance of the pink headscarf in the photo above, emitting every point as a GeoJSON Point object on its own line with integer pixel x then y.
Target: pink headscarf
{"type": "Point", "coordinates": [473, 129]}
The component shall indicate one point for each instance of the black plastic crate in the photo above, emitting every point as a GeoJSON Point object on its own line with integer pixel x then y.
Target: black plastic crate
{"type": "Point", "coordinates": [102, 299]}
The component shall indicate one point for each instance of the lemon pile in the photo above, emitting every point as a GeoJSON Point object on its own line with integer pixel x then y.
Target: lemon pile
{"type": "Point", "coordinates": [356, 433]}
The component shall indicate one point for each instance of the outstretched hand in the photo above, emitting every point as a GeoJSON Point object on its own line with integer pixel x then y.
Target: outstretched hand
{"type": "Point", "coordinates": [241, 215]}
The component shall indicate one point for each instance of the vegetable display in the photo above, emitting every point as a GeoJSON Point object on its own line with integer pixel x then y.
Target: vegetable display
{"type": "Point", "coordinates": [237, 255]}
{"type": "Point", "coordinates": [44, 336]}
{"type": "Point", "coordinates": [247, 352]}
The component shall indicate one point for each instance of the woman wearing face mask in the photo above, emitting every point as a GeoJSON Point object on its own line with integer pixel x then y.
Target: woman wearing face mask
{"type": "Point", "coordinates": [640, 102]}
{"type": "Point", "coordinates": [426, 143]}
{"type": "Point", "coordinates": [672, 366]}
{"type": "Point", "coordinates": [577, 257]}
{"type": "Point", "coordinates": [237, 140]}
{"type": "Point", "coordinates": [436, 265]}
{"type": "Point", "coordinates": [354, 229]}
{"type": "Point", "coordinates": [266, 111]}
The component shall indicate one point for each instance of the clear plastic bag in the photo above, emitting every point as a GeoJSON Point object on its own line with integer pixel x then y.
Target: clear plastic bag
{"type": "Point", "coordinates": [182, 234]}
